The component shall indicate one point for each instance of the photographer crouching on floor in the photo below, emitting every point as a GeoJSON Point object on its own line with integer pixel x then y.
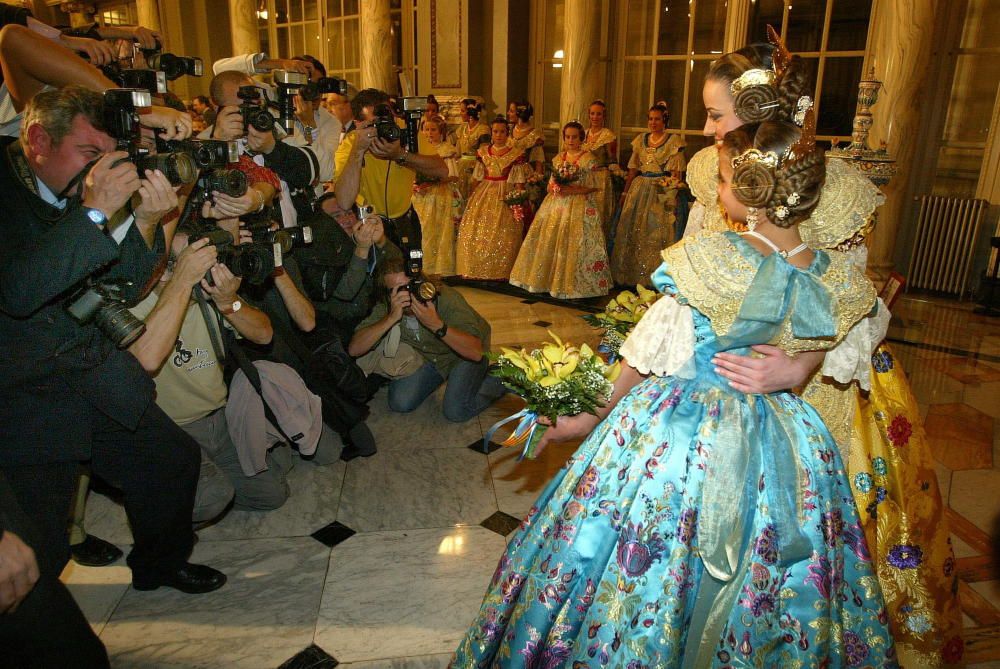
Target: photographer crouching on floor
{"type": "Point", "coordinates": [68, 391]}
{"type": "Point", "coordinates": [419, 335]}
{"type": "Point", "coordinates": [377, 164]}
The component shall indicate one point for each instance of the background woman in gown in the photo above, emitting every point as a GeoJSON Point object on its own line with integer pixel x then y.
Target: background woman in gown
{"type": "Point", "coordinates": [489, 236]}
{"type": "Point", "coordinates": [564, 253]}
{"type": "Point", "coordinates": [646, 224]}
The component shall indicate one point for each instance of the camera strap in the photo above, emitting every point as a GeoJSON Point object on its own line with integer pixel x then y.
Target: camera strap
{"type": "Point", "coordinates": [26, 177]}
{"type": "Point", "coordinates": [216, 328]}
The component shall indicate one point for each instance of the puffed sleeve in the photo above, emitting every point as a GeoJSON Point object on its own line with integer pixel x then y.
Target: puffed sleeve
{"type": "Point", "coordinates": [662, 342]}
{"type": "Point", "coordinates": [850, 360]}
{"type": "Point", "coordinates": [633, 161]}
{"type": "Point", "coordinates": [676, 162]}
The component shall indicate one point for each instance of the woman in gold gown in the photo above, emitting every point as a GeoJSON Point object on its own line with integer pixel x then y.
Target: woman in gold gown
{"type": "Point", "coordinates": [646, 224]}
{"type": "Point", "coordinates": [439, 204]}
{"type": "Point", "coordinates": [874, 418]}
{"type": "Point", "coordinates": [489, 236]}
{"type": "Point", "coordinates": [603, 143]}
{"type": "Point", "coordinates": [564, 253]}
{"type": "Point", "coordinates": [466, 141]}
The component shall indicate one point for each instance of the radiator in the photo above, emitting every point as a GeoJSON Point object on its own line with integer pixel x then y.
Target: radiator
{"type": "Point", "coordinates": [947, 231]}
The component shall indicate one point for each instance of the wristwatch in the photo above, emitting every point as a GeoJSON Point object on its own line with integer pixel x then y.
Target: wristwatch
{"type": "Point", "coordinates": [402, 158]}
{"type": "Point", "coordinates": [442, 331]}
{"type": "Point", "coordinates": [96, 216]}
{"type": "Point", "coordinates": [231, 309]}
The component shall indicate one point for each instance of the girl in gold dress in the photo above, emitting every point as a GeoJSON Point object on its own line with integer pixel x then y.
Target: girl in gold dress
{"type": "Point", "coordinates": [646, 224]}
{"type": "Point", "coordinates": [875, 420]}
{"type": "Point", "coordinates": [439, 204]}
{"type": "Point", "coordinates": [523, 133]}
{"type": "Point", "coordinates": [466, 141]}
{"type": "Point", "coordinates": [489, 235]}
{"type": "Point", "coordinates": [603, 143]}
{"type": "Point", "coordinates": [564, 252]}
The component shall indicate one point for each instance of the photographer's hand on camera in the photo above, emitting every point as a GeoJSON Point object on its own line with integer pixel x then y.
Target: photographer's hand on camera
{"type": "Point", "coordinates": [386, 150]}
{"type": "Point", "coordinates": [364, 136]}
{"type": "Point", "coordinates": [193, 262]}
{"type": "Point", "coordinates": [227, 206]}
{"type": "Point", "coordinates": [427, 314]}
{"type": "Point", "coordinates": [260, 141]}
{"type": "Point", "coordinates": [109, 186]}
{"type": "Point", "coordinates": [98, 52]}
{"type": "Point", "coordinates": [228, 124]}
{"type": "Point", "coordinates": [157, 198]}
{"type": "Point", "coordinates": [400, 300]}
{"type": "Point", "coordinates": [223, 293]}
{"type": "Point", "coordinates": [146, 38]}
{"type": "Point", "coordinates": [367, 232]}
{"type": "Point", "coordinates": [170, 123]}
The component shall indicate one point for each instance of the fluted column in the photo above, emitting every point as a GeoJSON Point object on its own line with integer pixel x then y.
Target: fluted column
{"type": "Point", "coordinates": [149, 14]}
{"type": "Point", "coordinates": [376, 38]}
{"type": "Point", "coordinates": [243, 26]}
{"type": "Point", "coordinates": [899, 47]}
{"type": "Point", "coordinates": [581, 58]}
{"type": "Point", "coordinates": [737, 17]}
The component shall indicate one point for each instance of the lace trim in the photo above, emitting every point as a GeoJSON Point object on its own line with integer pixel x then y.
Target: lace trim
{"type": "Point", "coordinates": [850, 360]}
{"type": "Point", "coordinates": [662, 342]}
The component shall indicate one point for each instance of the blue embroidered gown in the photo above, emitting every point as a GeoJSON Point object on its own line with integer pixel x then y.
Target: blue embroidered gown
{"type": "Point", "coordinates": [698, 526]}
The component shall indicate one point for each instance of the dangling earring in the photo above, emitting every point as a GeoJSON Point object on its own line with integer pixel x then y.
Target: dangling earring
{"type": "Point", "coordinates": [752, 219]}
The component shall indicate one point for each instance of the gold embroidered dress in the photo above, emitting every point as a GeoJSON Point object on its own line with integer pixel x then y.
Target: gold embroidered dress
{"type": "Point", "coordinates": [531, 141]}
{"type": "Point", "coordinates": [467, 143]}
{"type": "Point", "coordinates": [489, 236]}
{"type": "Point", "coordinates": [604, 145]}
{"type": "Point", "coordinates": [880, 434]}
{"type": "Point", "coordinates": [439, 207]}
{"type": "Point", "coordinates": [646, 224]}
{"type": "Point", "coordinates": [564, 253]}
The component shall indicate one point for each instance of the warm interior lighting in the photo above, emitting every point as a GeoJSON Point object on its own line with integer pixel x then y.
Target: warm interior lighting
{"type": "Point", "coordinates": [452, 545]}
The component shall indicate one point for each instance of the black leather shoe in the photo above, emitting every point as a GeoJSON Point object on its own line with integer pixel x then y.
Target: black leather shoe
{"type": "Point", "coordinates": [193, 579]}
{"type": "Point", "coordinates": [94, 552]}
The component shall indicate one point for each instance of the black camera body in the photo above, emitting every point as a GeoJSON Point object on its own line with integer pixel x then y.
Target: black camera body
{"type": "Point", "coordinates": [314, 90]}
{"type": "Point", "coordinates": [102, 302]}
{"type": "Point", "coordinates": [288, 239]}
{"type": "Point", "coordinates": [254, 109]}
{"type": "Point", "coordinates": [410, 110]}
{"type": "Point", "coordinates": [121, 120]}
{"type": "Point", "coordinates": [288, 85]}
{"type": "Point", "coordinates": [413, 266]}
{"type": "Point", "coordinates": [207, 154]}
{"type": "Point", "coordinates": [254, 262]}
{"type": "Point", "coordinates": [128, 77]}
{"type": "Point", "coordinates": [173, 66]}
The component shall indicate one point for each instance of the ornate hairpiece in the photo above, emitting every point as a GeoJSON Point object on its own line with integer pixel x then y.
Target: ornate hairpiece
{"type": "Point", "coordinates": [781, 57]}
{"type": "Point", "coordinates": [804, 104]}
{"type": "Point", "coordinates": [769, 158]}
{"type": "Point", "coordinates": [807, 140]}
{"type": "Point", "coordinates": [755, 77]}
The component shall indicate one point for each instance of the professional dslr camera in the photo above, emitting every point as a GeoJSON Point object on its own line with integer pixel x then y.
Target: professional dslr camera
{"type": "Point", "coordinates": [314, 90]}
{"type": "Point", "coordinates": [136, 77]}
{"type": "Point", "coordinates": [121, 120]}
{"type": "Point", "coordinates": [254, 109]}
{"type": "Point", "coordinates": [288, 239]}
{"type": "Point", "coordinates": [172, 66]}
{"type": "Point", "coordinates": [103, 303]}
{"type": "Point", "coordinates": [207, 154]}
{"type": "Point", "coordinates": [413, 265]}
{"type": "Point", "coordinates": [254, 262]}
{"type": "Point", "coordinates": [288, 85]}
{"type": "Point", "coordinates": [411, 109]}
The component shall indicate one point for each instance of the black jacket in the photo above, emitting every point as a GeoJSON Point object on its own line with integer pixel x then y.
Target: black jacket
{"type": "Point", "coordinates": [54, 371]}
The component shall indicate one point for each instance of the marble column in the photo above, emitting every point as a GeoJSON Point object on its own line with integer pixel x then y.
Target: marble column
{"type": "Point", "coordinates": [149, 14]}
{"type": "Point", "coordinates": [581, 71]}
{"type": "Point", "coordinates": [737, 18]}
{"type": "Point", "coordinates": [376, 38]}
{"type": "Point", "coordinates": [243, 26]}
{"type": "Point", "coordinates": [900, 39]}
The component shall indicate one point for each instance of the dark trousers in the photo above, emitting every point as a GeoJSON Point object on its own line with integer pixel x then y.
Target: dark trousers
{"type": "Point", "coordinates": [47, 629]}
{"type": "Point", "coordinates": [156, 468]}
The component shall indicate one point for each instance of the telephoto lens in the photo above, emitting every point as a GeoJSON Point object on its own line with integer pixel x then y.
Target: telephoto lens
{"type": "Point", "coordinates": [119, 324]}
{"type": "Point", "coordinates": [179, 168]}
{"type": "Point", "coordinates": [231, 182]}
{"type": "Point", "coordinates": [254, 262]}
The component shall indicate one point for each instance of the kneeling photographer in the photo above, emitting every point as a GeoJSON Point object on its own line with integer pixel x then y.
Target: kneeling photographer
{"type": "Point", "coordinates": [377, 164]}
{"type": "Point", "coordinates": [68, 391]}
{"type": "Point", "coordinates": [420, 335]}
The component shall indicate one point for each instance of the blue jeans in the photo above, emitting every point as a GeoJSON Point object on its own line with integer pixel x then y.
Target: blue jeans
{"type": "Point", "coordinates": [469, 390]}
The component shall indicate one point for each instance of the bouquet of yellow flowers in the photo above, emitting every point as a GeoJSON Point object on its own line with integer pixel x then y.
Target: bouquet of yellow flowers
{"type": "Point", "coordinates": [554, 380]}
{"type": "Point", "coordinates": [620, 316]}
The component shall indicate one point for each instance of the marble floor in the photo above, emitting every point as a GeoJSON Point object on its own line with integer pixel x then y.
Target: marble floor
{"type": "Point", "coordinates": [381, 563]}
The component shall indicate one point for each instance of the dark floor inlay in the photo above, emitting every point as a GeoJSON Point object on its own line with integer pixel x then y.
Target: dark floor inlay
{"type": "Point", "coordinates": [529, 301]}
{"type": "Point", "coordinates": [477, 446]}
{"type": "Point", "coordinates": [312, 657]}
{"type": "Point", "coordinates": [542, 324]}
{"type": "Point", "coordinates": [501, 523]}
{"type": "Point", "coordinates": [333, 534]}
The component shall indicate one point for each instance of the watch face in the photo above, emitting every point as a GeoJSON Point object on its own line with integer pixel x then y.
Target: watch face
{"type": "Point", "coordinates": [237, 305]}
{"type": "Point", "coordinates": [95, 215]}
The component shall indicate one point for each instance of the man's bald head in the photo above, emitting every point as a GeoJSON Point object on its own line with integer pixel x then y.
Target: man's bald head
{"type": "Point", "coordinates": [225, 86]}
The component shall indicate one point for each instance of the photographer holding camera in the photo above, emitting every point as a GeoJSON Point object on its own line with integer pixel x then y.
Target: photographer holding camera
{"type": "Point", "coordinates": [447, 336]}
{"type": "Point", "coordinates": [68, 393]}
{"type": "Point", "coordinates": [378, 171]}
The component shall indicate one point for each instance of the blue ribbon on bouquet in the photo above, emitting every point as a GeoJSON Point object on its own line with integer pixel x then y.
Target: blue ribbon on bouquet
{"type": "Point", "coordinates": [523, 432]}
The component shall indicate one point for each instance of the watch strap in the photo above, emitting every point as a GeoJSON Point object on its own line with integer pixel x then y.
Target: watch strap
{"type": "Point", "coordinates": [442, 331]}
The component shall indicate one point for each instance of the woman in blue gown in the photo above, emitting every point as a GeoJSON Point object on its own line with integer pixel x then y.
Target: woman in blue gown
{"type": "Point", "coordinates": [698, 526]}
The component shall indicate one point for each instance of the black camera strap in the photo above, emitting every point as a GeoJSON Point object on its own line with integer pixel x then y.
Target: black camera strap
{"type": "Point", "coordinates": [49, 213]}
{"type": "Point", "coordinates": [216, 329]}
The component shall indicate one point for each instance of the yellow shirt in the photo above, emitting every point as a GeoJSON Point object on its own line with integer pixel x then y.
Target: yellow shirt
{"type": "Point", "coordinates": [392, 200]}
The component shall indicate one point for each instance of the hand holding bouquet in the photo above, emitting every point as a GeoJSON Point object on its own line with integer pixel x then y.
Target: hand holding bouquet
{"type": "Point", "coordinates": [670, 182]}
{"type": "Point", "coordinates": [564, 175]}
{"type": "Point", "coordinates": [620, 316]}
{"type": "Point", "coordinates": [516, 199]}
{"type": "Point", "coordinates": [555, 380]}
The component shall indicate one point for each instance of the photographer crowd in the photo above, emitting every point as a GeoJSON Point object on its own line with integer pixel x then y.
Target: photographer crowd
{"type": "Point", "coordinates": [192, 303]}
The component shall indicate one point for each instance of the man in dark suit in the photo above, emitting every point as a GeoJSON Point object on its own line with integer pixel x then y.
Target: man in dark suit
{"type": "Point", "coordinates": [67, 393]}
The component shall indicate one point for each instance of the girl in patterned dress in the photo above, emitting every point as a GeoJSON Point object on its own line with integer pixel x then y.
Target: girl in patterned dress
{"type": "Point", "coordinates": [603, 143]}
{"type": "Point", "coordinates": [439, 204]}
{"type": "Point", "coordinates": [466, 140]}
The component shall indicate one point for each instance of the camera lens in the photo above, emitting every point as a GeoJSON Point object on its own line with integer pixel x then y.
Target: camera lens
{"type": "Point", "coordinates": [262, 121]}
{"type": "Point", "coordinates": [119, 324]}
{"type": "Point", "coordinates": [179, 168]}
{"type": "Point", "coordinates": [253, 262]}
{"type": "Point", "coordinates": [231, 182]}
